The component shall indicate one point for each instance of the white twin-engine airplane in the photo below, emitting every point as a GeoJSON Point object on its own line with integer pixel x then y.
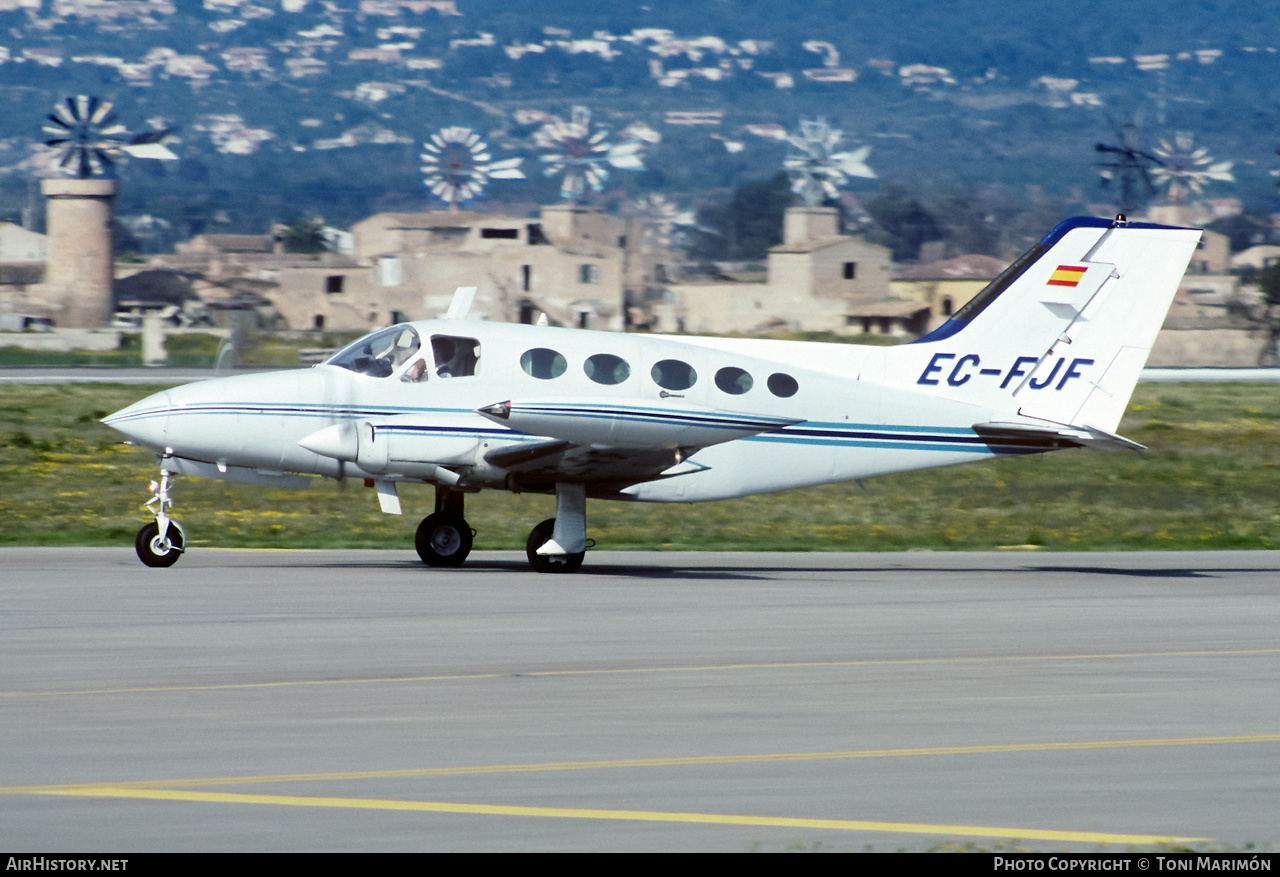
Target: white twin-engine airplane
{"type": "Point", "coordinates": [1044, 358]}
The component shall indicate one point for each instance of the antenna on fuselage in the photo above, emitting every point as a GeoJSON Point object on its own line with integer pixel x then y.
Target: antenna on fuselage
{"type": "Point", "coordinates": [463, 296]}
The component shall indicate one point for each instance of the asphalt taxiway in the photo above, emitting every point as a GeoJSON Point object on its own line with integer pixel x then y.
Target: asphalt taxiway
{"type": "Point", "coordinates": [356, 700]}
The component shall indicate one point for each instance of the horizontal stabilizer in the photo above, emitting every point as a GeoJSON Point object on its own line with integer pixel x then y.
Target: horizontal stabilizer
{"type": "Point", "coordinates": [1067, 436]}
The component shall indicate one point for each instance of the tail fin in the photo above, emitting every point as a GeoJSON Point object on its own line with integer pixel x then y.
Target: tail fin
{"type": "Point", "coordinates": [1062, 335]}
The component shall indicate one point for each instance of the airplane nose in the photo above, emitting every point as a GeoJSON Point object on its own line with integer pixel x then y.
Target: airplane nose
{"type": "Point", "coordinates": [145, 422]}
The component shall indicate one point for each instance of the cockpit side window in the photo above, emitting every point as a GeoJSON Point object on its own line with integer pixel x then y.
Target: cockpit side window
{"type": "Point", "coordinates": [455, 357]}
{"type": "Point", "coordinates": [379, 354]}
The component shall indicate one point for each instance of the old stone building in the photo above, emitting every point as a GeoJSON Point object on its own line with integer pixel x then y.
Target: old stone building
{"type": "Point", "coordinates": [817, 280]}
{"type": "Point", "coordinates": [572, 263]}
{"type": "Point", "coordinates": [22, 255]}
{"type": "Point", "coordinates": [946, 285]}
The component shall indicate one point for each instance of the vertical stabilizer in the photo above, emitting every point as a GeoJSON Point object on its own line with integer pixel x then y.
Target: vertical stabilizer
{"type": "Point", "coordinates": [1062, 335]}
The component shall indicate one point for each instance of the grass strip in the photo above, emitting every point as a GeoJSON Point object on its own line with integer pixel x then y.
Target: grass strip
{"type": "Point", "coordinates": [1209, 480]}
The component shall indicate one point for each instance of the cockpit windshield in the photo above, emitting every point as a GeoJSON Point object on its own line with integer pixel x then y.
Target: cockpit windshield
{"type": "Point", "coordinates": [379, 354]}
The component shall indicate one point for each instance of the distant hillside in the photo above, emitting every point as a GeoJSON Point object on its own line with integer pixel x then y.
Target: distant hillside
{"type": "Point", "coordinates": [302, 107]}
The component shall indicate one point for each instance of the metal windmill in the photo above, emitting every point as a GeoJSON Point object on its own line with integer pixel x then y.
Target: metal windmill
{"type": "Point", "coordinates": [84, 130]}
{"type": "Point", "coordinates": [1130, 165]}
{"type": "Point", "coordinates": [1186, 168]}
{"type": "Point", "coordinates": [817, 171]}
{"type": "Point", "coordinates": [660, 218]}
{"type": "Point", "coordinates": [457, 166]}
{"type": "Point", "coordinates": [584, 156]}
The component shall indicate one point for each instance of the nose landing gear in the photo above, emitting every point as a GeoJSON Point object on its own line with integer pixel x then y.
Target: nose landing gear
{"type": "Point", "coordinates": [161, 542]}
{"type": "Point", "coordinates": [444, 537]}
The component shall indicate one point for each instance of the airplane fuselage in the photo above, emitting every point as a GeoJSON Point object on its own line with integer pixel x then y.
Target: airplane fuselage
{"type": "Point", "coordinates": [829, 425]}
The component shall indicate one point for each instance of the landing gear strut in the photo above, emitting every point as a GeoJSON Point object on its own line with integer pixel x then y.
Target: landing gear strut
{"type": "Point", "coordinates": [539, 536]}
{"type": "Point", "coordinates": [161, 542]}
{"type": "Point", "coordinates": [444, 537]}
{"type": "Point", "coordinates": [558, 544]}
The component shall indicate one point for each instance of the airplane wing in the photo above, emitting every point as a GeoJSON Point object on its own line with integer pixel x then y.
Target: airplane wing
{"type": "Point", "coordinates": [605, 422]}
{"type": "Point", "coordinates": [539, 465]}
{"type": "Point", "coordinates": [608, 445]}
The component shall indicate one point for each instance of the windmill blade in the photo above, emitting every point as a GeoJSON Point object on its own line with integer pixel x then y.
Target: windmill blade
{"type": "Point", "coordinates": [626, 156]}
{"type": "Point", "coordinates": [151, 136]}
{"type": "Point", "coordinates": [152, 151]}
{"type": "Point", "coordinates": [100, 112]}
{"type": "Point", "coordinates": [507, 169]}
{"type": "Point", "coordinates": [68, 112]}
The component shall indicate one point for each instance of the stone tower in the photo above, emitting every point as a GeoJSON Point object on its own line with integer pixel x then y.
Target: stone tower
{"type": "Point", "coordinates": [79, 266]}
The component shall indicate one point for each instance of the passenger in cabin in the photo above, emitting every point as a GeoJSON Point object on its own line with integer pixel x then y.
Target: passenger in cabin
{"type": "Point", "coordinates": [455, 357]}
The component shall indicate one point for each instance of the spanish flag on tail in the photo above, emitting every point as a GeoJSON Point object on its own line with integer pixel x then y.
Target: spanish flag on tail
{"type": "Point", "coordinates": [1066, 275]}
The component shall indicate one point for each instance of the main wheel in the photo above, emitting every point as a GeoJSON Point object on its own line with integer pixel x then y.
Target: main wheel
{"type": "Point", "coordinates": [154, 551]}
{"type": "Point", "coordinates": [549, 562]}
{"type": "Point", "coordinates": [443, 540]}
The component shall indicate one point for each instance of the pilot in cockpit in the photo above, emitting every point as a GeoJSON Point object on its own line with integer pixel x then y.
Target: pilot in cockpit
{"type": "Point", "coordinates": [416, 372]}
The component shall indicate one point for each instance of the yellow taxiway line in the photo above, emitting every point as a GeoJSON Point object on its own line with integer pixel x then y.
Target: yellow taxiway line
{"type": "Point", "coordinates": [673, 761]}
{"type": "Point", "coordinates": [628, 815]}
{"type": "Point", "coordinates": [164, 790]}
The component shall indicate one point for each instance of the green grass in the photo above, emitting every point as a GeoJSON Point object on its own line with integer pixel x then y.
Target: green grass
{"type": "Point", "coordinates": [1211, 479]}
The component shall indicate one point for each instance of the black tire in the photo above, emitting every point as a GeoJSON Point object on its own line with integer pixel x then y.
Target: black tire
{"type": "Point", "coordinates": [561, 563]}
{"type": "Point", "coordinates": [443, 540]}
{"type": "Point", "coordinates": [152, 551]}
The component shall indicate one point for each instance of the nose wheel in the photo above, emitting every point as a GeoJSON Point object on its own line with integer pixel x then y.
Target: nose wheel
{"type": "Point", "coordinates": [443, 540]}
{"type": "Point", "coordinates": [444, 537]}
{"type": "Point", "coordinates": [161, 542]}
{"type": "Point", "coordinates": [155, 550]}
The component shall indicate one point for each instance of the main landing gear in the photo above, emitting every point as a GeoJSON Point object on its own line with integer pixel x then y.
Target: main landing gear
{"type": "Point", "coordinates": [161, 542]}
{"type": "Point", "coordinates": [557, 545]}
{"type": "Point", "coordinates": [540, 536]}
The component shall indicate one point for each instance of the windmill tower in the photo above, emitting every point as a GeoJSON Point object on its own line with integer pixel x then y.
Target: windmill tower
{"type": "Point", "coordinates": [80, 264]}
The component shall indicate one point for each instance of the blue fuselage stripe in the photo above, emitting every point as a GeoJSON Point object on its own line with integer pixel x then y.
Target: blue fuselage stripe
{"type": "Point", "coordinates": [882, 436]}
